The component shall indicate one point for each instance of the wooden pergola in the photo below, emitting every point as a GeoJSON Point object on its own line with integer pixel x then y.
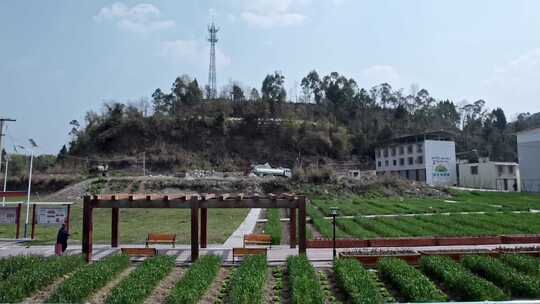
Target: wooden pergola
{"type": "Point", "coordinates": [195, 202]}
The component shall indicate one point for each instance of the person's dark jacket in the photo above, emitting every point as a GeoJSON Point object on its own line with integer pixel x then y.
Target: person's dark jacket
{"type": "Point", "coordinates": [62, 236]}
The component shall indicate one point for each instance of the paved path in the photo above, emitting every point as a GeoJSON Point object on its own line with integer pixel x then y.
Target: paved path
{"type": "Point", "coordinates": [237, 237]}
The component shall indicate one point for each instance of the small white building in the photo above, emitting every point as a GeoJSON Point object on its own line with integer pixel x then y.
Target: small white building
{"type": "Point", "coordinates": [361, 174]}
{"type": "Point", "coordinates": [486, 174]}
{"type": "Point", "coordinates": [427, 157]}
{"type": "Point", "coordinates": [528, 146]}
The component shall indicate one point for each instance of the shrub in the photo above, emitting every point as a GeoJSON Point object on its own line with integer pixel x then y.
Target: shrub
{"type": "Point", "coordinates": [304, 281]}
{"type": "Point", "coordinates": [524, 263]}
{"type": "Point", "coordinates": [42, 273]}
{"type": "Point", "coordinates": [139, 283]}
{"type": "Point", "coordinates": [459, 280]}
{"type": "Point", "coordinates": [88, 279]}
{"type": "Point", "coordinates": [273, 226]}
{"type": "Point", "coordinates": [503, 276]}
{"type": "Point", "coordinates": [12, 264]}
{"type": "Point", "coordinates": [196, 281]}
{"type": "Point", "coordinates": [356, 282]}
{"type": "Point", "coordinates": [411, 283]}
{"type": "Point", "coordinates": [248, 281]}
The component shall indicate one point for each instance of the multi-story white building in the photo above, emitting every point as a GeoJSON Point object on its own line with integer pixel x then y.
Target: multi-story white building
{"type": "Point", "coordinates": [486, 174]}
{"type": "Point", "coordinates": [528, 144]}
{"type": "Point", "coordinates": [428, 157]}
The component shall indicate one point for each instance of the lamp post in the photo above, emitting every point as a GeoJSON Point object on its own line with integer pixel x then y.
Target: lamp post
{"type": "Point", "coordinates": [5, 179]}
{"type": "Point", "coordinates": [34, 145]}
{"type": "Point", "coordinates": [334, 213]}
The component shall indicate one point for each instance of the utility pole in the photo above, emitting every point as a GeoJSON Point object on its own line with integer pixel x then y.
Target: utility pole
{"type": "Point", "coordinates": [144, 163]}
{"type": "Point", "coordinates": [5, 180]}
{"type": "Point", "coordinates": [2, 121]}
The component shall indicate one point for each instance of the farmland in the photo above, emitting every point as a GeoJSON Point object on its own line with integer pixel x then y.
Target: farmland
{"type": "Point", "coordinates": [502, 213]}
{"type": "Point", "coordinates": [435, 278]}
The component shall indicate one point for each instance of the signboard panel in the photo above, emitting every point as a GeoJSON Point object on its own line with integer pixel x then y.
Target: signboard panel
{"type": "Point", "coordinates": [51, 214]}
{"type": "Point", "coordinates": [8, 215]}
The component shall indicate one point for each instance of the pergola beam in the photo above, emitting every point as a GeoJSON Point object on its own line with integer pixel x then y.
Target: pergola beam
{"type": "Point", "coordinates": [211, 203]}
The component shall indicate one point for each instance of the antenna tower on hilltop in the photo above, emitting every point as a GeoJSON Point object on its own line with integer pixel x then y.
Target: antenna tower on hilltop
{"type": "Point", "coordinates": [212, 30]}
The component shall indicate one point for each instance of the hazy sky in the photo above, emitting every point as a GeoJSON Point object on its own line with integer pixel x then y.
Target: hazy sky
{"type": "Point", "coordinates": [59, 59]}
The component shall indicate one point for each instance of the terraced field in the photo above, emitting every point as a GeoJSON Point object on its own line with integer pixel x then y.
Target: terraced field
{"type": "Point", "coordinates": [504, 213]}
{"type": "Point", "coordinates": [157, 280]}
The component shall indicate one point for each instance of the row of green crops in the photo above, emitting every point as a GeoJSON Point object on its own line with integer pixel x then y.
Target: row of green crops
{"type": "Point", "coordinates": [12, 264]}
{"type": "Point", "coordinates": [273, 226]}
{"type": "Point", "coordinates": [504, 276]}
{"type": "Point", "coordinates": [42, 273]}
{"type": "Point", "coordinates": [248, 281]}
{"type": "Point", "coordinates": [462, 201]}
{"type": "Point", "coordinates": [411, 283]}
{"type": "Point", "coordinates": [138, 285]}
{"type": "Point", "coordinates": [356, 282]}
{"type": "Point", "coordinates": [88, 279]}
{"type": "Point", "coordinates": [436, 225]}
{"type": "Point", "coordinates": [196, 281]}
{"type": "Point", "coordinates": [304, 281]}
{"type": "Point", "coordinates": [524, 263]}
{"type": "Point", "coordinates": [464, 285]}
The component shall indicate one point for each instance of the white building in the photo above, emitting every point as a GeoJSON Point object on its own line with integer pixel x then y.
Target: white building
{"type": "Point", "coordinates": [428, 157]}
{"type": "Point", "coordinates": [487, 174]}
{"type": "Point", "coordinates": [528, 144]}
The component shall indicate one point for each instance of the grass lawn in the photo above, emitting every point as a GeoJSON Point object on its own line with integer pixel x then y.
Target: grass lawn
{"type": "Point", "coordinates": [136, 223]}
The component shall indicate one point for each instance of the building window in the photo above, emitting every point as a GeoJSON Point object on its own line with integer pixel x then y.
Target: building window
{"type": "Point", "coordinates": [379, 164]}
{"type": "Point", "coordinates": [401, 150]}
{"type": "Point", "coordinates": [386, 163]}
{"type": "Point", "coordinates": [411, 161]}
{"type": "Point", "coordinates": [393, 151]}
{"type": "Point", "coordinates": [474, 170]}
{"type": "Point", "coordinates": [409, 149]}
{"type": "Point", "coordinates": [394, 162]}
{"type": "Point", "coordinates": [419, 148]}
{"type": "Point", "coordinates": [500, 170]}
{"type": "Point", "coordinates": [378, 153]}
{"type": "Point", "coordinates": [420, 160]}
{"type": "Point", "coordinates": [511, 169]}
{"type": "Point", "coordinates": [402, 161]}
{"type": "Point", "coordinates": [386, 152]}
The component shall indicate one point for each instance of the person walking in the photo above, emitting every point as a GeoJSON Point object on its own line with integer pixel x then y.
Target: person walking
{"type": "Point", "coordinates": [61, 240]}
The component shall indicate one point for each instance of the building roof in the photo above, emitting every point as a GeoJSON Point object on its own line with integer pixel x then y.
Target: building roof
{"type": "Point", "coordinates": [428, 135]}
{"type": "Point", "coordinates": [529, 130]}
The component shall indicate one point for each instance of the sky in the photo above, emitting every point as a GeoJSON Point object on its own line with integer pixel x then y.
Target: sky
{"type": "Point", "coordinates": [62, 58]}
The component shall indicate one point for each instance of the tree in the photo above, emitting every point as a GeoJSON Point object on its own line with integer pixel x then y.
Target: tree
{"type": "Point", "coordinates": [160, 102]}
{"type": "Point", "coordinates": [311, 85]}
{"type": "Point", "coordinates": [273, 91]}
{"type": "Point", "coordinates": [499, 119]}
{"type": "Point", "coordinates": [254, 95]}
{"type": "Point", "coordinates": [237, 93]}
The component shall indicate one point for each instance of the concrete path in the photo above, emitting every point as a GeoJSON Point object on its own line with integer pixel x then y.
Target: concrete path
{"type": "Point", "coordinates": [248, 225]}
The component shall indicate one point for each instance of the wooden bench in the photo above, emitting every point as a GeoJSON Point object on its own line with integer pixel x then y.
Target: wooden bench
{"type": "Point", "coordinates": [146, 252]}
{"type": "Point", "coordinates": [161, 238]}
{"type": "Point", "coordinates": [242, 252]}
{"type": "Point", "coordinates": [257, 239]}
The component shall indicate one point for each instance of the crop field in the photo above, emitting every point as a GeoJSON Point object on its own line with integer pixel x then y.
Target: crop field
{"type": "Point", "coordinates": [117, 280]}
{"type": "Point", "coordinates": [500, 215]}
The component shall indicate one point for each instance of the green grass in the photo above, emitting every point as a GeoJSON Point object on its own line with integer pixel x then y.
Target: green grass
{"type": "Point", "coordinates": [138, 285]}
{"type": "Point", "coordinates": [459, 281]}
{"type": "Point", "coordinates": [304, 281]}
{"type": "Point", "coordinates": [26, 281]}
{"type": "Point", "coordinates": [356, 282]}
{"type": "Point", "coordinates": [135, 224]}
{"type": "Point", "coordinates": [247, 283]}
{"type": "Point", "coordinates": [196, 281]}
{"type": "Point", "coordinates": [273, 226]}
{"type": "Point", "coordinates": [88, 279]}
{"type": "Point", "coordinates": [504, 276]}
{"type": "Point", "coordinates": [411, 284]}
{"type": "Point", "coordinates": [12, 264]}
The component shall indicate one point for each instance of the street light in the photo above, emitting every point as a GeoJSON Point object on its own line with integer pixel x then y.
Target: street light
{"type": "Point", "coordinates": [334, 213]}
{"type": "Point", "coordinates": [34, 145]}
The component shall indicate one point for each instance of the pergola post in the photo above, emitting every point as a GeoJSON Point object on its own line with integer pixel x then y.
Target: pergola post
{"type": "Point", "coordinates": [87, 229]}
{"type": "Point", "coordinates": [292, 227]}
{"type": "Point", "coordinates": [204, 227]}
{"type": "Point", "coordinates": [67, 220]}
{"type": "Point", "coordinates": [194, 229]}
{"type": "Point", "coordinates": [302, 246]}
{"type": "Point", "coordinates": [33, 233]}
{"type": "Point", "coordinates": [114, 226]}
{"type": "Point", "coordinates": [18, 220]}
